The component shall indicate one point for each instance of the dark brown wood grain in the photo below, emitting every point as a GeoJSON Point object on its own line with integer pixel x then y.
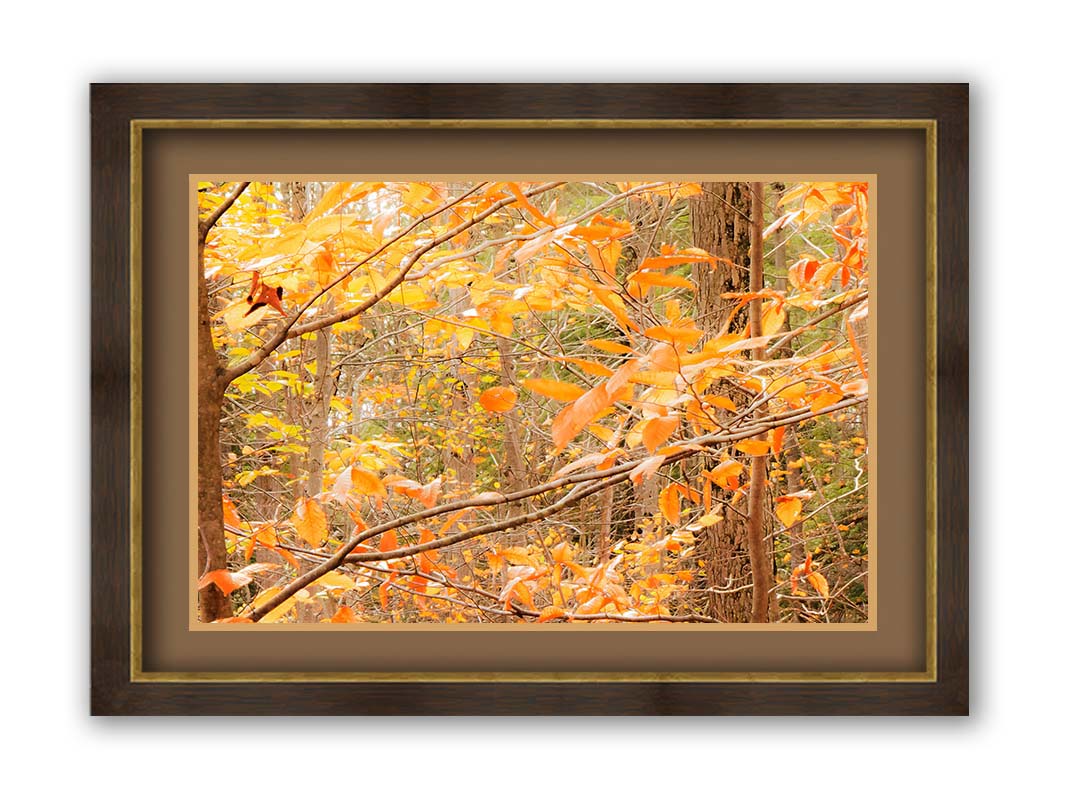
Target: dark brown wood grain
{"type": "Point", "coordinates": [114, 106]}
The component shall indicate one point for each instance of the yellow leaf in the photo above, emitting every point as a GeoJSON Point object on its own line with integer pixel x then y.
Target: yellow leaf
{"type": "Point", "coordinates": [237, 316]}
{"type": "Point", "coordinates": [335, 580]}
{"type": "Point", "coordinates": [330, 200]}
{"type": "Point", "coordinates": [788, 509]}
{"type": "Point", "coordinates": [773, 318]}
{"type": "Point", "coordinates": [276, 614]}
{"type": "Point", "coordinates": [707, 520]}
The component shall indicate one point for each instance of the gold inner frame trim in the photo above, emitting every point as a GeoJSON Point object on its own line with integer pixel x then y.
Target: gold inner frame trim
{"type": "Point", "coordinates": [137, 675]}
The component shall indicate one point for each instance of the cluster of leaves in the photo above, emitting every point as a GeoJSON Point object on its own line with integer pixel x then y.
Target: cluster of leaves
{"type": "Point", "coordinates": [518, 414]}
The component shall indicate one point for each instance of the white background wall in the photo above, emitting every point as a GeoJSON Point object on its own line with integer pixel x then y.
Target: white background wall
{"type": "Point", "coordinates": [1011, 53]}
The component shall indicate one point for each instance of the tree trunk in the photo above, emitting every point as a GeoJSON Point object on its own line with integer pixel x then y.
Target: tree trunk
{"type": "Point", "coordinates": [211, 548]}
{"type": "Point", "coordinates": [759, 554]}
{"type": "Point", "coordinates": [720, 220]}
{"type": "Point", "coordinates": [515, 467]}
{"type": "Point", "coordinates": [318, 418]}
{"type": "Point", "coordinates": [790, 446]}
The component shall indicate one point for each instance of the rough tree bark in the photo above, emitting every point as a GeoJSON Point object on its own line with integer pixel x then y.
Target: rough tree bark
{"type": "Point", "coordinates": [318, 416]}
{"type": "Point", "coordinates": [758, 546]}
{"type": "Point", "coordinates": [791, 446]}
{"type": "Point", "coordinates": [721, 218]}
{"type": "Point", "coordinates": [211, 387]}
{"type": "Point", "coordinates": [211, 549]}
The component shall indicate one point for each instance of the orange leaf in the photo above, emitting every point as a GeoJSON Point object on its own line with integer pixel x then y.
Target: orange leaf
{"type": "Point", "coordinates": [229, 513]}
{"type": "Point", "coordinates": [610, 347]}
{"type": "Point", "coordinates": [789, 389]}
{"type": "Point", "coordinates": [592, 606]}
{"type": "Point", "coordinates": [557, 390]}
{"type": "Point", "coordinates": [669, 505]}
{"type": "Point", "coordinates": [365, 482]}
{"type": "Point", "coordinates": [426, 564]}
{"type": "Point", "coordinates": [658, 430]}
{"type": "Point", "coordinates": [726, 473]}
{"type": "Point", "coordinates": [777, 439]}
{"type": "Point", "coordinates": [646, 468]}
{"type": "Point", "coordinates": [855, 387]}
{"type": "Point", "coordinates": [498, 399]}
{"type": "Point", "coordinates": [388, 542]}
{"type": "Point", "coordinates": [720, 402]}
{"type": "Point", "coordinates": [344, 615]}
{"type": "Point", "coordinates": [819, 583]}
{"type": "Point", "coordinates": [226, 581]}
{"type": "Point", "coordinates": [261, 295]}
{"type": "Point", "coordinates": [647, 279]}
{"type": "Point", "coordinates": [674, 334]}
{"type": "Point", "coordinates": [823, 400]}
{"type": "Point", "coordinates": [856, 347]}
{"type": "Point", "coordinates": [685, 257]}
{"type": "Point", "coordinates": [524, 203]}
{"type": "Point", "coordinates": [310, 521]}
{"type": "Point", "coordinates": [426, 494]}
{"type": "Point", "coordinates": [592, 367]}
{"type": "Point", "coordinates": [573, 418]}
{"type": "Point", "coordinates": [294, 562]}
{"type": "Point", "coordinates": [754, 447]}
{"type": "Point", "coordinates": [552, 612]}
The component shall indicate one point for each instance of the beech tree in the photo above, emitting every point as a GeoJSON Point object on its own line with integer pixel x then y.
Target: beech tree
{"type": "Point", "coordinates": [552, 402]}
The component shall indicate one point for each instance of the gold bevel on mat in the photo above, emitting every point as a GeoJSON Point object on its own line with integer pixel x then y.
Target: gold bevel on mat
{"type": "Point", "coordinates": [137, 126]}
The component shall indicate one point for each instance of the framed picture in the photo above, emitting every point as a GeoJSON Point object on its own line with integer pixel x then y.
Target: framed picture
{"type": "Point", "coordinates": [529, 399]}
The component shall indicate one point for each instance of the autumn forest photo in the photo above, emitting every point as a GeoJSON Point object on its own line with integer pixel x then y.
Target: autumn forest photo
{"type": "Point", "coordinates": [555, 401]}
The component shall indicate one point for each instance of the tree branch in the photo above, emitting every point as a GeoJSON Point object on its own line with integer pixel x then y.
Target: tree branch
{"type": "Point", "coordinates": [587, 484]}
{"type": "Point", "coordinates": [207, 223]}
{"type": "Point", "coordinates": [788, 337]}
{"type": "Point", "coordinates": [289, 330]}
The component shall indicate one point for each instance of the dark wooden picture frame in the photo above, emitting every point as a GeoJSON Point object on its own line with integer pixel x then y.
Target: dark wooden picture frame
{"type": "Point", "coordinates": [116, 107]}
